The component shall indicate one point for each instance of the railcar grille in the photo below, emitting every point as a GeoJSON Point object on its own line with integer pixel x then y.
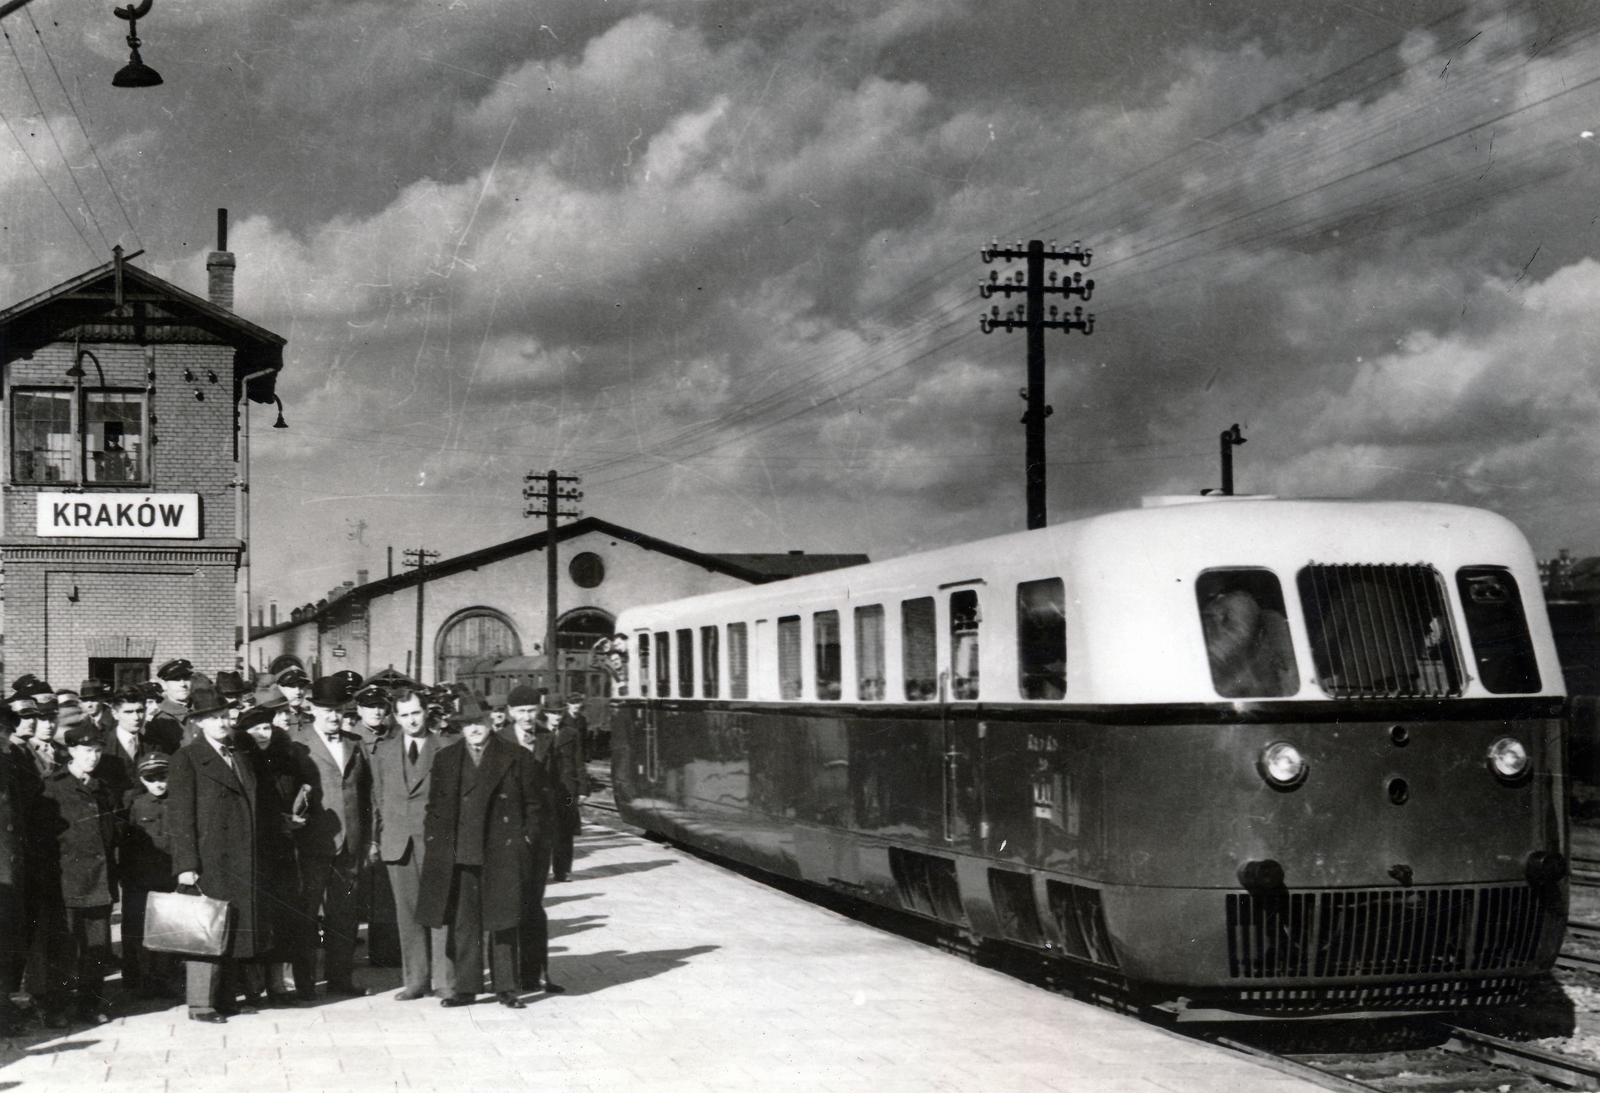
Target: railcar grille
{"type": "Point", "coordinates": [1382, 932]}
{"type": "Point", "coordinates": [1380, 631]}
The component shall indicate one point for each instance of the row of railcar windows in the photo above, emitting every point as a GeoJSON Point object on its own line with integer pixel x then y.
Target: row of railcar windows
{"type": "Point", "coordinates": [1041, 652]}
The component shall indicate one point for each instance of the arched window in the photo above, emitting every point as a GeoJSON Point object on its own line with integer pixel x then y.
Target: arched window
{"type": "Point", "coordinates": [474, 634]}
{"type": "Point", "coordinates": [580, 628]}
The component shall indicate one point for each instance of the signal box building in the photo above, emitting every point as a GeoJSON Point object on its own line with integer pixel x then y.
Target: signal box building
{"type": "Point", "coordinates": [120, 544]}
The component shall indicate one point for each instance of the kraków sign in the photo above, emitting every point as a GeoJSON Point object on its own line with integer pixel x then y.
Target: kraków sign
{"type": "Point", "coordinates": [120, 515]}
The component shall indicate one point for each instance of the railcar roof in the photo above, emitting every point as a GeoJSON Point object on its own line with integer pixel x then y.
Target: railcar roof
{"type": "Point", "coordinates": [1184, 537]}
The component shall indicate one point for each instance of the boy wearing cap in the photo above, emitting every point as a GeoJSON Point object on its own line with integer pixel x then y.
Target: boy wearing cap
{"type": "Point", "coordinates": [335, 842]}
{"type": "Point", "coordinates": [144, 866]}
{"type": "Point", "coordinates": [79, 814]}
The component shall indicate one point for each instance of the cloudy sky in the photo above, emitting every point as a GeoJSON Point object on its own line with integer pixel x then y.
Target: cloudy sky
{"type": "Point", "coordinates": [721, 258]}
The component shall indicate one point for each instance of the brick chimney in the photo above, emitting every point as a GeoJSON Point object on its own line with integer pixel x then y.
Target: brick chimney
{"type": "Point", "coordinates": [219, 267]}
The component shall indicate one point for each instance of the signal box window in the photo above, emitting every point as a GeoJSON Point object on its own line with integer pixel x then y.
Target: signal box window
{"type": "Point", "coordinates": [830, 658]}
{"type": "Point", "coordinates": [1380, 631]}
{"type": "Point", "coordinates": [709, 665]}
{"type": "Point", "coordinates": [789, 676]}
{"type": "Point", "coordinates": [738, 660]}
{"type": "Point", "coordinates": [1247, 633]}
{"type": "Point", "coordinates": [869, 654]}
{"type": "Point", "coordinates": [685, 663]}
{"type": "Point", "coordinates": [42, 437]}
{"type": "Point", "coordinates": [964, 620]}
{"type": "Point", "coordinates": [919, 656]}
{"type": "Point", "coordinates": [663, 665]}
{"type": "Point", "coordinates": [643, 660]}
{"type": "Point", "coordinates": [1042, 638]}
{"type": "Point", "coordinates": [114, 438]}
{"type": "Point", "coordinates": [1498, 629]}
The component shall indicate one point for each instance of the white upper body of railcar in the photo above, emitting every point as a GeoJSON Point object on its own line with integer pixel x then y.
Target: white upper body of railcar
{"type": "Point", "coordinates": [1226, 600]}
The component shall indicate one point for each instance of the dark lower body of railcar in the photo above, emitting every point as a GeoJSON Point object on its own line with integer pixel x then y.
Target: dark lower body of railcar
{"type": "Point", "coordinates": [1402, 874]}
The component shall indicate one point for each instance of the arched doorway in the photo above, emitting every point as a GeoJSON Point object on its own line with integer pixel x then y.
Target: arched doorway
{"type": "Point", "coordinates": [473, 634]}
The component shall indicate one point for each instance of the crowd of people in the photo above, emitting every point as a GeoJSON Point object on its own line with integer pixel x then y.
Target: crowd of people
{"type": "Point", "coordinates": [310, 808]}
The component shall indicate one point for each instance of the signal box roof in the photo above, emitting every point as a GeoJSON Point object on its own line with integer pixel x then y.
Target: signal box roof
{"type": "Point", "coordinates": [119, 302]}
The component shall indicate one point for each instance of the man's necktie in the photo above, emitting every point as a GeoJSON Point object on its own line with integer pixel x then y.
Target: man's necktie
{"type": "Point", "coordinates": [414, 750]}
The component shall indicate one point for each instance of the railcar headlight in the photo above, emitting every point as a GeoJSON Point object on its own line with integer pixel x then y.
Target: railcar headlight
{"type": "Point", "coordinates": [1508, 758]}
{"type": "Point", "coordinates": [1282, 765]}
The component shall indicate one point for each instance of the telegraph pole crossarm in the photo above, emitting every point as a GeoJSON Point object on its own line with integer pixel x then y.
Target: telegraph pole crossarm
{"type": "Point", "coordinates": [1031, 316]}
{"type": "Point", "coordinates": [547, 498]}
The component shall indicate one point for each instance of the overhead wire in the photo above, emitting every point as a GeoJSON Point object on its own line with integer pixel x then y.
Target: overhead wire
{"type": "Point", "coordinates": [48, 188]}
{"type": "Point", "coordinates": [51, 129]}
{"type": "Point", "coordinates": [138, 244]}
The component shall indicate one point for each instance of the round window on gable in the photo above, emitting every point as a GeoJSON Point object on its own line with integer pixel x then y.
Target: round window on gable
{"type": "Point", "coordinates": [587, 570]}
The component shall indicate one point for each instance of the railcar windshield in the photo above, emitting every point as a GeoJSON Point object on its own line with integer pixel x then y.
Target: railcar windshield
{"type": "Point", "coordinates": [1247, 633]}
{"type": "Point", "coordinates": [1380, 631]}
{"type": "Point", "coordinates": [1498, 629]}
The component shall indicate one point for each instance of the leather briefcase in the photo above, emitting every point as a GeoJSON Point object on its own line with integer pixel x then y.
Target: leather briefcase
{"type": "Point", "coordinates": [187, 923]}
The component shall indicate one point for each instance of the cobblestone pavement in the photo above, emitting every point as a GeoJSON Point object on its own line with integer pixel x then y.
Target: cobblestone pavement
{"type": "Point", "coordinates": [681, 977]}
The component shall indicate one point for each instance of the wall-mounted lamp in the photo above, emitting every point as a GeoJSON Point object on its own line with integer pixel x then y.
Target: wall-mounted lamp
{"type": "Point", "coordinates": [280, 423]}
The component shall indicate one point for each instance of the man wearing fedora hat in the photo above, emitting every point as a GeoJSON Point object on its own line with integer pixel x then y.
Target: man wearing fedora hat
{"type": "Point", "coordinates": [335, 841]}
{"type": "Point", "coordinates": [482, 833]}
{"type": "Point", "coordinates": [222, 819]}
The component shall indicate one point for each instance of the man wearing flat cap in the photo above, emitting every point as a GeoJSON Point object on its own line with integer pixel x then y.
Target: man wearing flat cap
{"type": "Point", "coordinates": [336, 840]}
{"type": "Point", "coordinates": [222, 818]}
{"type": "Point", "coordinates": [482, 831]}
{"type": "Point", "coordinates": [166, 728]}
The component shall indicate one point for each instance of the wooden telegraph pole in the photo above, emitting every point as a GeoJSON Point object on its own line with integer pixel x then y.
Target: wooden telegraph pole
{"type": "Point", "coordinates": [547, 497]}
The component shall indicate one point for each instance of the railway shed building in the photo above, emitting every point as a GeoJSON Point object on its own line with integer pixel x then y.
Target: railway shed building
{"type": "Point", "coordinates": [490, 603]}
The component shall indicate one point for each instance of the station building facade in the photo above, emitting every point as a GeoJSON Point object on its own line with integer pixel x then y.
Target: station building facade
{"type": "Point", "coordinates": [491, 603]}
{"type": "Point", "coordinates": [120, 543]}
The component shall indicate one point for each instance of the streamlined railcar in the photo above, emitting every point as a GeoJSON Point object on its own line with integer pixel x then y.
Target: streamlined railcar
{"type": "Point", "coordinates": [1244, 755]}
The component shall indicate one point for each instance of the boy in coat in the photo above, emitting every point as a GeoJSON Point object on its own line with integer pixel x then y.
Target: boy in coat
{"type": "Point", "coordinates": [144, 865]}
{"type": "Point", "coordinates": [85, 825]}
{"type": "Point", "coordinates": [482, 830]}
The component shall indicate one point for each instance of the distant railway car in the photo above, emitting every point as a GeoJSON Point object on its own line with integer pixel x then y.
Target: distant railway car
{"type": "Point", "coordinates": [496, 676]}
{"type": "Point", "coordinates": [1276, 757]}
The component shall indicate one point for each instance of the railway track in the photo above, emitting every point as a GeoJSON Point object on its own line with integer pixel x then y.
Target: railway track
{"type": "Point", "coordinates": [1425, 1055]}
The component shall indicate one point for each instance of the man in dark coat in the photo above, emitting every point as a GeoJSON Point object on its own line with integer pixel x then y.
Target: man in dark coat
{"type": "Point", "coordinates": [533, 932]}
{"type": "Point", "coordinates": [20, 864]}
{"type": "Point", "coordinates": [402, 766]}
{"type": "Point", "coordinates": [560, 753]}
{"type": "Point", "coordinates": [220, 816]}
{"type": "Point", "coordinates": [335, 841]}
{"type": "Point", "coordinates": [485, 808]}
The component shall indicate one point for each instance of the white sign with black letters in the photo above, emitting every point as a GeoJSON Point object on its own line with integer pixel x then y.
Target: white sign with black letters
{"type": "Point", "coordinates": [120, 515]}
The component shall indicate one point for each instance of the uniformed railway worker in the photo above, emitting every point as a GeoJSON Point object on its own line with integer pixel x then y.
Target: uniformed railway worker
{"type": "Point", "coordinates": [166, 728]}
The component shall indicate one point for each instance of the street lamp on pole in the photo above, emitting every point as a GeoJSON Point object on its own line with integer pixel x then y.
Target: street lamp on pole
{"type": "Point", "coordinates": [242, 507]}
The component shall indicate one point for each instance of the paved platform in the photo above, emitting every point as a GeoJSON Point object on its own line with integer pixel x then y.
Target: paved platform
{"type": "Point", "coordinates": [682, 977]}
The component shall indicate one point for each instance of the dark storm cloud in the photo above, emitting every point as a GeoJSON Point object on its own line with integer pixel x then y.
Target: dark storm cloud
{"type": "Point", "coordinates": [721, 258]}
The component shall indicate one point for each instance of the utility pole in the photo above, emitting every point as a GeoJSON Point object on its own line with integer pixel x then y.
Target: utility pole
{"type": "Point", "coordinates": [547, 498]}
{"type": "Point", "coordinates": [1030, 316]}
{"type": "Point", "coordinates": [1230, 439]}
{"type": "Point", "coordinates": [419, 558]}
